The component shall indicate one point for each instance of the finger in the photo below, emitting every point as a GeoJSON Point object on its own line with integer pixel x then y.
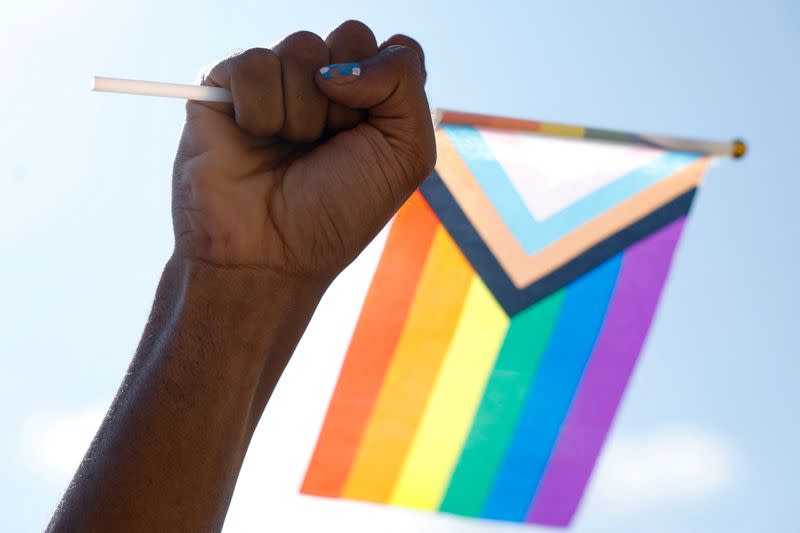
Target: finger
{"type": "Point", "coordinates": [405, 40]}
{"type": "Point", "coordinates": [254, 79]}
{"type": "Point", "coordinates": [351, 41]}
{"type": "Point", "coordinates": [305, 107]}
{"type": "Point", "coordinates": [390, 86]}
{"type": "Point", "coordinates": [215, 75]}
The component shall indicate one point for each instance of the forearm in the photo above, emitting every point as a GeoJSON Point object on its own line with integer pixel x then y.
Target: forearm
{"type": "Point", "coordinates": [167, 456]}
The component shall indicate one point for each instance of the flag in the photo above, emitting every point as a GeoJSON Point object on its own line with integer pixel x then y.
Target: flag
{"type": "Point", "coordinates": [505, 317]}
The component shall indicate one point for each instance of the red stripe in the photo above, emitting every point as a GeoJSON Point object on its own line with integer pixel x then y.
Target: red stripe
{"type": "Point", "coordinates": [372, 347]}
{"type": "Point", "coordinates": [491, 121]}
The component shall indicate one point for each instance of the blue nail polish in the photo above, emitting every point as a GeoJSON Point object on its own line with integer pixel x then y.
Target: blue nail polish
{"type": "Point", "coordinates": [340, 69]}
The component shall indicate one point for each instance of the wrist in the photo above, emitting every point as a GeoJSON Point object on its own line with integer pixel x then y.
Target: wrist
{"type": "Point", "coordinates": [247, 290]}
{"type": "Point", "coordinates": [245, 305]}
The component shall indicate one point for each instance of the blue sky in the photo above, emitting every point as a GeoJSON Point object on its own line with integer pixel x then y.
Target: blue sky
{"type": "Point", "coordinates": [706, 438]}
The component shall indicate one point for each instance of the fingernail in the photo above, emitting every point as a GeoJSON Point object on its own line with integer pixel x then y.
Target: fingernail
{"type": "Point", "coordinates": [340, 69]}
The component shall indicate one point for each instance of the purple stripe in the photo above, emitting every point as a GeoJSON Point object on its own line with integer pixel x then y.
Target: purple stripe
{"type": "Point", "coordinates": [645, 266]}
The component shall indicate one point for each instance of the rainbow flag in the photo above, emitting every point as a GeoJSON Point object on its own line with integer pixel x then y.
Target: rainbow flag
{"type": "Point", "coordinates": [505, 317]}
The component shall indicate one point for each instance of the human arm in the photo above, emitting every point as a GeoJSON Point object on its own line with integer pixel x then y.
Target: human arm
{"type": "Point", "coordinates": [271, 199]}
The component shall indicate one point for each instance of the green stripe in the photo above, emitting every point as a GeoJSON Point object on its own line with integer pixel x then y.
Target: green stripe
{"type": "Point", "coordinates": [494, 422]}
{"type": "Point", "coordinates": [606, 135]}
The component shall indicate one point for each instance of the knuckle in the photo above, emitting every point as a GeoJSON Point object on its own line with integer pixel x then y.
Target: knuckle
{"type": "Point", "coordinates": [255, 60]}
{"type": "Point", "coordinates": [304, 45]}
{"type": "Point", "coordinates": [354, 29]}
{"type": "Point", "coordinates": [406, 57]}
{"type": "Point", "coordinates": [409, 42]}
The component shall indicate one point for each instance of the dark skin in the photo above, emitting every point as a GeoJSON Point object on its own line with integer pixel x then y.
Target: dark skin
{"type": "Point", "coordinates": [272, 197]}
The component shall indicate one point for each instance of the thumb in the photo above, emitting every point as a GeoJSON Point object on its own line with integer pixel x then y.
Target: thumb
{"type": "Point", "coordinates": [391, 87]}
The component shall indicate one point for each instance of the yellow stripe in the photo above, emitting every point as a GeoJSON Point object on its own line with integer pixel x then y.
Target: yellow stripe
{"type": "Point", "coordinates": [432, 321]}
{"type": "Point", "coordinates": [562, 130]}
{"type": "Point", "coordinates": [451, 407]}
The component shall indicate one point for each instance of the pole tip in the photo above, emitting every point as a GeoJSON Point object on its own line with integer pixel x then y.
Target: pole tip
{"type": "Point", "coordinates": [739, 148]}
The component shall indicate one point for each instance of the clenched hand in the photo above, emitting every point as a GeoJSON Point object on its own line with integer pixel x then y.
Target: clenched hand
{"type": "Point", "coordinates": [272, 197]}
{"type": "Point", "coordinates": [323, 143]}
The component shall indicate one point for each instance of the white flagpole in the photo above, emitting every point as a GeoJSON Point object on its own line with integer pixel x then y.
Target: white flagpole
{"type": "Point", "coordinates": [735, 148]}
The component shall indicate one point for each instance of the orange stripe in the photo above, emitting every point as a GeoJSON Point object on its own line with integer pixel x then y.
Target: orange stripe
{"type": "Point", "coordinates": [431, 322]}
{"type": "Point", "coordinates": [372, 346]}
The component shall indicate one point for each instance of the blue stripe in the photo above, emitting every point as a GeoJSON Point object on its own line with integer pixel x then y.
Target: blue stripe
{"type": "Point", "coordinates": [515, 299]}
{"type": "Point", "coordinates": [551, 392]}
{"type": "Point", "coordinates": [535, 235]}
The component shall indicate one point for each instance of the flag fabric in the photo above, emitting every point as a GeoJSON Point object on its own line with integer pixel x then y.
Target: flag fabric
{"type": "Point", "coordinates": [513, 297]}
